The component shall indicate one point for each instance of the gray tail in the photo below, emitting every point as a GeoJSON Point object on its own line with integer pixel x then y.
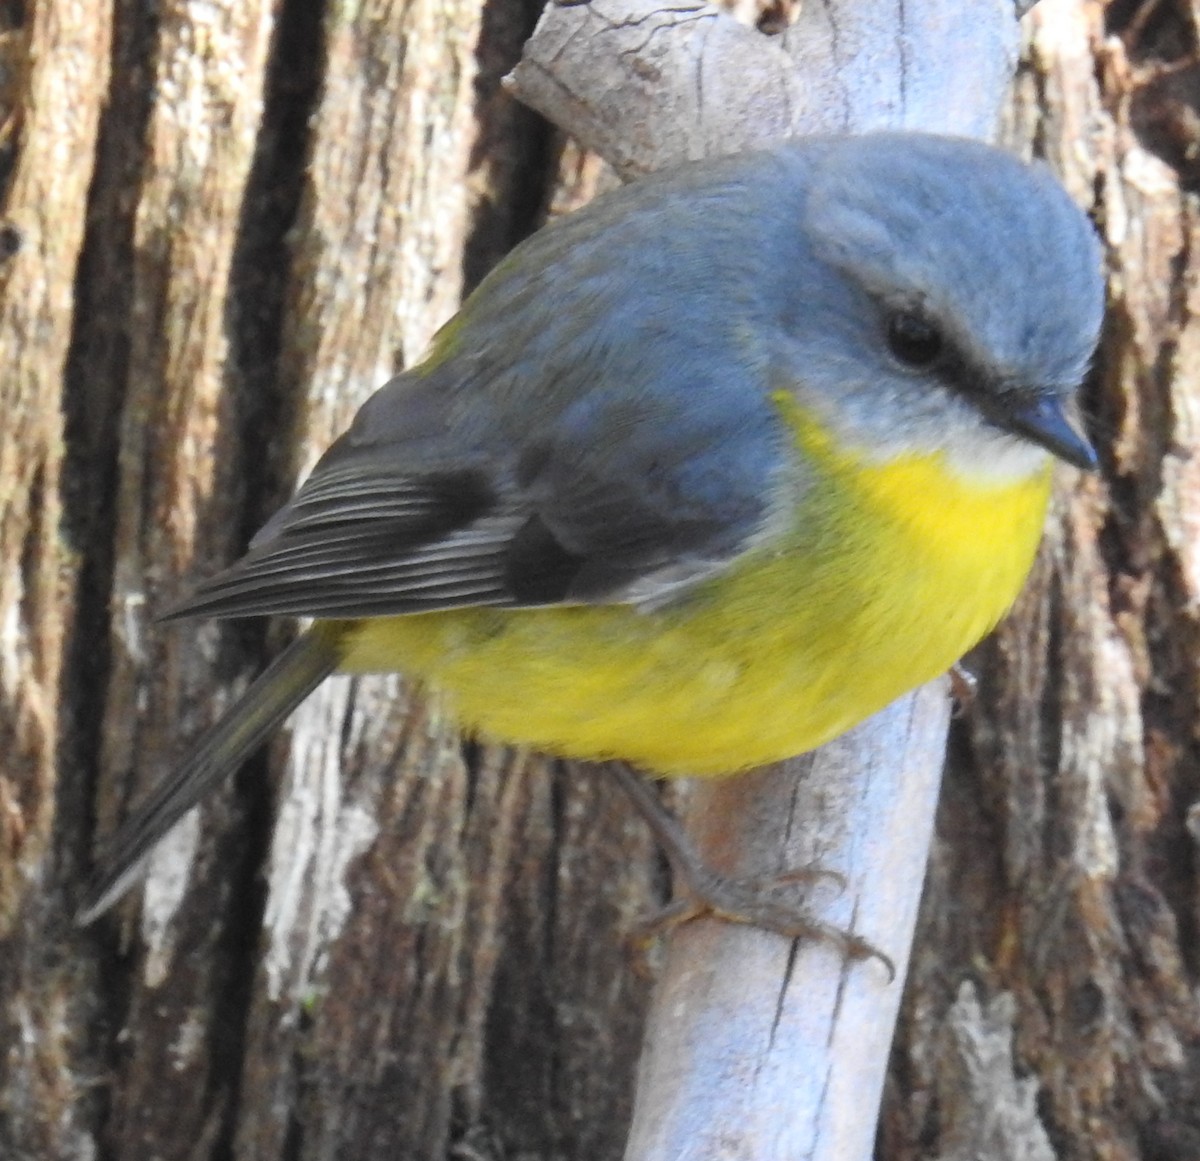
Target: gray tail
{"type": "Point", "coordinates": [289, 679]}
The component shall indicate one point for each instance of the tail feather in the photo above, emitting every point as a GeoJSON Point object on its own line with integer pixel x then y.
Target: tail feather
{"type": "Point", "coordinates": [289, 679]}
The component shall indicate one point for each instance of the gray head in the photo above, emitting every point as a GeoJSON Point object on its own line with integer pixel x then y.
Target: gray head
{"type": "Point", "coordinates": [968, 290]}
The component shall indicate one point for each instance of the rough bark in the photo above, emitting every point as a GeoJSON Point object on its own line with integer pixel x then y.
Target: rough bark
{"type": "Point", "coordinates": [48, 136]}
{"type": "Point", "coordinates": [221, 225]}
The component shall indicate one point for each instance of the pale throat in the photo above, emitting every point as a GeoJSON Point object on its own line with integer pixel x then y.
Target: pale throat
{"type": "Point", "coordinates": [992, 458]}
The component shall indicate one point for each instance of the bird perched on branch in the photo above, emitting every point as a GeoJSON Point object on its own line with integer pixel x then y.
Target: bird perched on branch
{"type": "Point", "coordinates": [700, 476]}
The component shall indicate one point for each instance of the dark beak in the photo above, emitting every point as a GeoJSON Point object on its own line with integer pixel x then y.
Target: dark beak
{"type": "Point", "coordinates": [1044, 422]}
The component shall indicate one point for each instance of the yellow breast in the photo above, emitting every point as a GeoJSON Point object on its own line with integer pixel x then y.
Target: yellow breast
{"type": "Point", "coordinates": [887, 576]}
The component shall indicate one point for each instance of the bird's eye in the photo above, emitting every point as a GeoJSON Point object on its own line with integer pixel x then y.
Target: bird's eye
{"type": "Point", "coordinates": [914, 340]}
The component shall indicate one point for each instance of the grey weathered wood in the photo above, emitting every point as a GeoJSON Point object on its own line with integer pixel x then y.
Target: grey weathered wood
{"type": "Point", "coordinates": [648, 86]}
{"type": "Point", "coordinates": [758, 1048]}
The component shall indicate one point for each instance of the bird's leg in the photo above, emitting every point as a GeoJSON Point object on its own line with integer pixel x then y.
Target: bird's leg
{"type": "Point", "coordinates": [703, 891]}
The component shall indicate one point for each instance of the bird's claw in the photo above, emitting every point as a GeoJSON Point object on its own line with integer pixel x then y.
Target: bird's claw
{"type": "Point", "coordinates": [756, 903]}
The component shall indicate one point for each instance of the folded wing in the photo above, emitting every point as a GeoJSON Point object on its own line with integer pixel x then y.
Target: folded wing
{"type": "Point", "coordinates": [629, 500]}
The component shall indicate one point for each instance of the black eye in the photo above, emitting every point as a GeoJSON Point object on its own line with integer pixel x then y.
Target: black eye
{"type": "Point", "coordinates": [914, 340]}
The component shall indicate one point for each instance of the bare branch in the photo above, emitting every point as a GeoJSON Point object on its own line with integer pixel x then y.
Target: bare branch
{"type": "Point", "coordinates": [648, 86]}
{"type": "Point", "coordinates": [758, 1048]}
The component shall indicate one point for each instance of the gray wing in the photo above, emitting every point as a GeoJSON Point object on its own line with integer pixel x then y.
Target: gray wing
{"type": "Point", "coordinates": [625, 496]}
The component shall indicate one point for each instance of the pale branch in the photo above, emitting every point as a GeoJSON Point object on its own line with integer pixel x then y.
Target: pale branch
{"type": "Point", "coordinates": [757, 1047]}
{"type": "Point", "coordinates": [760, 1048]}
{"type": "Point", "coordinates": [647, 86]}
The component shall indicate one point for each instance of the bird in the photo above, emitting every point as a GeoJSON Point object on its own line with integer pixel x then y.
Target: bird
{"type": "Point", "coordinates": [699, 476]}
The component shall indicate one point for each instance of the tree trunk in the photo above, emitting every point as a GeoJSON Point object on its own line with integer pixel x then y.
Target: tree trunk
{"type": "Point", "coordinates": [222, 226]}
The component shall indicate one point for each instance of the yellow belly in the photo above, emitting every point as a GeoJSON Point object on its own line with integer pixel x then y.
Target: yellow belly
{"type": "Point", "coordinates": [888, 576]}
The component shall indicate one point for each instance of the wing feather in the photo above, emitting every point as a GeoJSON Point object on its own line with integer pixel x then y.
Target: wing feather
{"type": "Point", "coordinates": [625, 497]}
{"type": "Point", "coordinates": [361, 567]}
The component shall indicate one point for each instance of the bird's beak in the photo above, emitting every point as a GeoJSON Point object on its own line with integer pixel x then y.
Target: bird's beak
{"type": "Point", "coordinates": [1043, 421]}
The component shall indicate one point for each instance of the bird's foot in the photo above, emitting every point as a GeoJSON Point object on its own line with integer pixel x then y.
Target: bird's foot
{"type": "Point", "coordinates": [755, 902]}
